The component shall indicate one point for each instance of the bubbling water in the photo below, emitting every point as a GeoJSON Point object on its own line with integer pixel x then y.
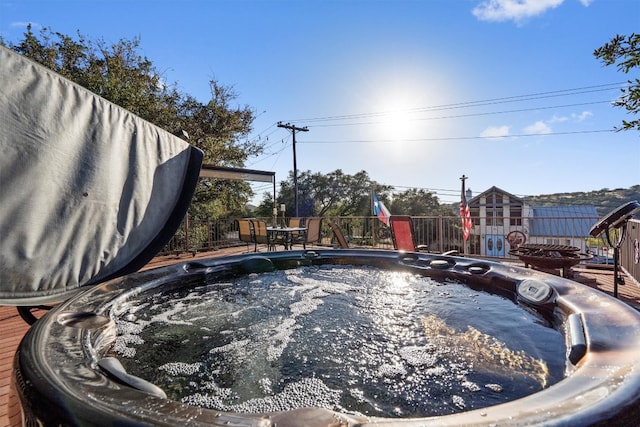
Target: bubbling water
{"type": "Point", "coordinates": [357, 340]}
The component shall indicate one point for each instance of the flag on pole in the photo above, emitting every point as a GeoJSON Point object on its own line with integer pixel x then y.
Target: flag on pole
{"type": "Point", "coordinates": [465, 213]}
{"type": "Point", "coordinates": [380, 210]}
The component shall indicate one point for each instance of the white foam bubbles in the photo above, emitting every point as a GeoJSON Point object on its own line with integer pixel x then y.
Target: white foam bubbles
{"type": "Point", "coordinates": [180, 369]}
{"type": "Point", "coordinates": [309, 392]}
{"type": "Point", "coordinates": [421, 356]}
{"type": "Point", "coordinates": [494, 387]}
{"type": "Point", "coordinates": [458, 401]}
{"type": "Point", "coordinates": [388, 370]}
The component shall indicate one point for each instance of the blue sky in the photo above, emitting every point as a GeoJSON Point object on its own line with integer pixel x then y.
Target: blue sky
{"type": "Point", "coordinates": [416, 93]}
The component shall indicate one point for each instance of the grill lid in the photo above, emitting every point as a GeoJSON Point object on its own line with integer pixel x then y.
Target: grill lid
{"type": "Point", "coordinates": [88, 191]}
{"type": "Point", "coordinates": [616, 218]}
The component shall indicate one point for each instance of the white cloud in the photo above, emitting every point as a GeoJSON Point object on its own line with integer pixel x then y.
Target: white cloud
{"type": "Point", "coordinates": [586, 3]}
{"type": "Point", "coordinates": [582, 116]}
{"type": "Point", "coordinates": [558, 119]}
{"type": "Point", "coordinates": [574, 117]}
{"type": "Point", "coordinates": [495, 132]}
{"type": "Point", "coordinates": [538, 127]}
{"type": "Point", "coordinates": [515, 10]}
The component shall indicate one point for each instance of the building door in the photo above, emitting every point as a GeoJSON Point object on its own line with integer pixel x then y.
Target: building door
{"type": "Point", "coordinates": [495, 245]}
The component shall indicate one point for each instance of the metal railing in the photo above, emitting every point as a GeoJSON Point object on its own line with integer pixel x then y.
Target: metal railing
{"type": "Point", "coordinates": [490, 237]}
{"type": "Point", "coordinates": [439, 234]}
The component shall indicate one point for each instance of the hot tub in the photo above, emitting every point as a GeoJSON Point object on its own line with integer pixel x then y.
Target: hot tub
{"type": "Point", "coordinates": [75, 366]}
{"type": "Point", "coordinates": [104, 191]}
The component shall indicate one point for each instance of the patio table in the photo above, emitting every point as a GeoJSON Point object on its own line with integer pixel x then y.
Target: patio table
{"type": "Point", "coordinates": [286, 233]}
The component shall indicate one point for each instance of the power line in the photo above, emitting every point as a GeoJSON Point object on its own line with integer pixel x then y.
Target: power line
{"type": "Point", "coordinates": [324, 121]}
{"type": "Point", "coordinates": [480, 103]}
{"type": "Point", "coordinates": [459, 116]}
{"type": "Point", "coordinates": [273, 153]}
{"type": "Point", "coordinates": [460, 138]}
{"type": "Point", "coordinates": [450, 196]}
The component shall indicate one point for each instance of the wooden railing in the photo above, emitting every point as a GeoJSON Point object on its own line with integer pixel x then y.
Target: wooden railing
{"type": "Point", "coordinates": [630, 251]}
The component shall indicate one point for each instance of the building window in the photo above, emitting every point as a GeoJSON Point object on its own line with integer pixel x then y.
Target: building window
{"type": "Point", "coordinates": [475, 215]}
{"type": "Point", "coordinates": [494, 210]}
{"type": "Point", "coordinates": [515, 214]}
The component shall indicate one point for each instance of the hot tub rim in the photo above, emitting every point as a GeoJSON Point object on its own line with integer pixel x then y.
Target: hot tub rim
{"type": "Point", "coordinates": [565, 402]}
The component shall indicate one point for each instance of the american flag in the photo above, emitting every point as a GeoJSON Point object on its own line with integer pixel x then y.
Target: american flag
{"type": "Point", "coordinates": [465, 213]}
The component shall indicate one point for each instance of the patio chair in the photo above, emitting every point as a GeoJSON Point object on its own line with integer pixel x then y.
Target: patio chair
{"type": "Point", "coordinates": [245, 230]}
{"type": "Point", "coordinates": [313, 234]}
{"type": "Point", "coordinates": [296, 222]}
{"type": "Point", "coordinates": [296, 236]}
{"type": "Point", "coordinates": [261, 236]}
{"type": "Point", "coordinates": [337, 232]}
{"type": "Point", "coordinates": [402, 233]}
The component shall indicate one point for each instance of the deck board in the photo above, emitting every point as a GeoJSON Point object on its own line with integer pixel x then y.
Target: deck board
{"type": "Point", "coordinates": [13, 328]}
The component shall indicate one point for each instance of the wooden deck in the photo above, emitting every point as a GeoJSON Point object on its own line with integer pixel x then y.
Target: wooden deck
{"type": "Point", "coordinates": [12, 327]}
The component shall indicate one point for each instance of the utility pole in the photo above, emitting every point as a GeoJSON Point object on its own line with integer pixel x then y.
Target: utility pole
{"type": "Point", "coordinates": [463, 206]}
{"type": "Point", "coordinates": [293, 130]}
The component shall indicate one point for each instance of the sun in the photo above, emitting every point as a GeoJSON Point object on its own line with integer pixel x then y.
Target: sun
{"type": "Point", "coordinates": [403, 103]}
{"type": "Point", "coordinates": [398, 121]}
{"type": "Point", "coordinates": [397, 124]}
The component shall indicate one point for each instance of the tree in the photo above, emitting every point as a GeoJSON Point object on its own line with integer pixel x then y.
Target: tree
{"type": "Point", "coordinates": [418, 202]}
{"type": "Point", "coordinates": [335, 193]}
{"type": "Point", "coordinates": [625, 52]}
{"type": "Point", "coordinates": [118, 73]}
{"type": "Point", "coordinates": [343, 195]}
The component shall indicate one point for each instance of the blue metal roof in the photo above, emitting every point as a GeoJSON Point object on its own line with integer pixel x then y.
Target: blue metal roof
{"type": "Point", "coordinates": [561, 221]}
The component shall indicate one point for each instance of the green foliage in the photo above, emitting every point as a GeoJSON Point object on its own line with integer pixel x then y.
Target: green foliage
{"type": "Point", "coordinates": [340, 194]}
{"type": "Point", "coordinates": [418, 202]}
{"type": "Point", "coordinates": [118, 73]}
{"type": "Point", "coordinates": [625, 52]}
{"type": "Point", "coordinates": [265, 208]}
{"type": "Point", "coordinates": [335, 193]}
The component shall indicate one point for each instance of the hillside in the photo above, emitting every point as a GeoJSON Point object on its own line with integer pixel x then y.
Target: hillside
{"type": "Point", "coordinates": [604, 200]}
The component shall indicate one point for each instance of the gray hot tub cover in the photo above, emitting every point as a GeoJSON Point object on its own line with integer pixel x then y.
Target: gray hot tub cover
{"type": "Point", "coordinates": [88, 191]}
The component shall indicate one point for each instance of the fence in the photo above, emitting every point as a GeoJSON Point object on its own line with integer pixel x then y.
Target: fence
{"type": "Point", "coordinates": [198, 236]}
{"type": "Point", "coordinates": [490, 237]}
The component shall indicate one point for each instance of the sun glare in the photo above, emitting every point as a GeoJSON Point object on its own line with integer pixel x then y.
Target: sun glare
{"type": "Point", "coordinates": [398, 120]}
{"type": "Point", "coordinates": [401, 110]}
{"type": "Point", "coordinates": [401, 101]}
{"type": "Point", "coordinates": [395, 124]}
